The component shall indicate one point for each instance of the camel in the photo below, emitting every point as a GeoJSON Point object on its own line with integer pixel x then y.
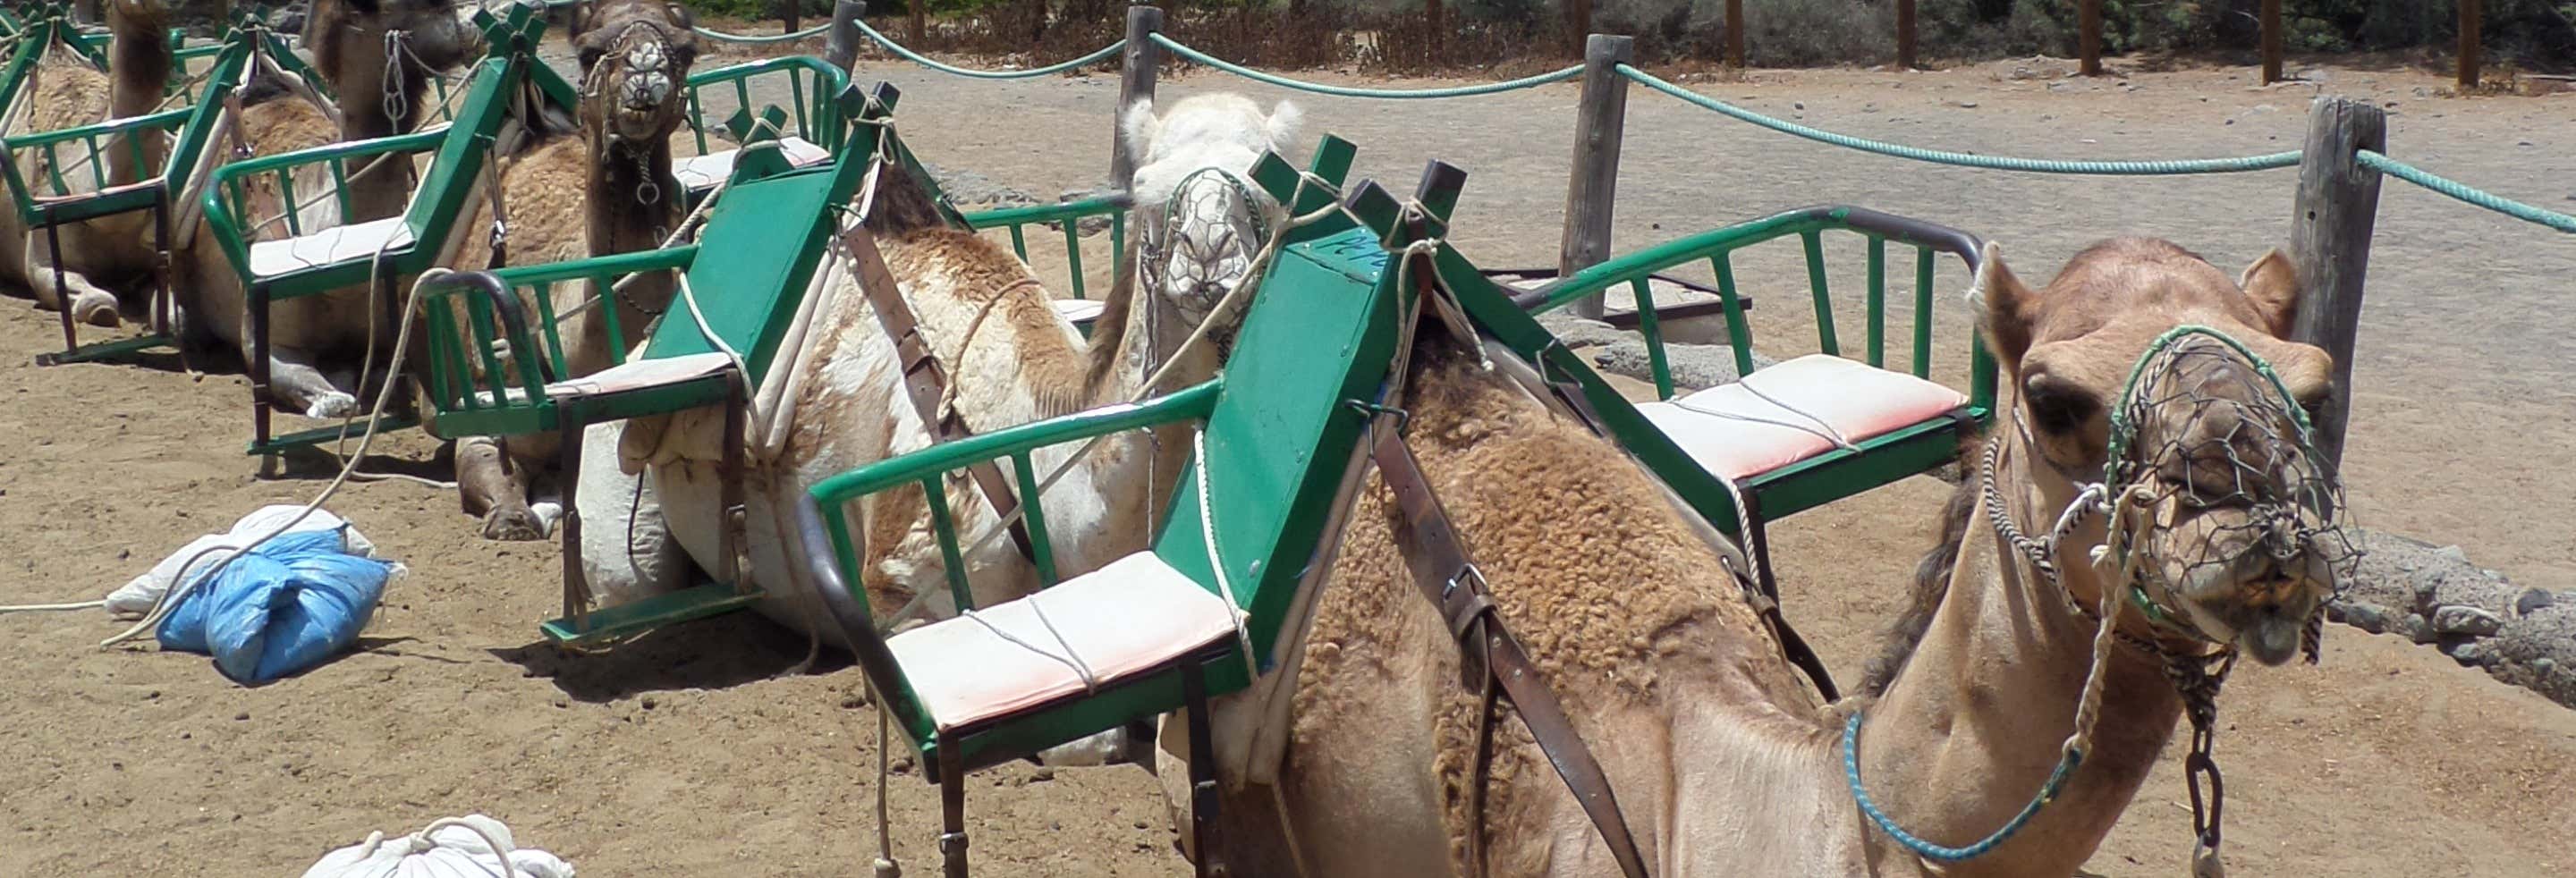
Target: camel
{"type": "Point", "coordinates": [107, 254]}
{"type": "Point", "coordinates": [387, 49]}
{"type": "Point", "coordinates": [1212, 235]}
{"type": "Point", "coordinates": [308, 333]}
{"type": "Point", "coordinates": [1722, 760]}
{"type": "Point", "coordinates": [1014, 360]}
{"type": "Point", "coordinates": [610, 190]}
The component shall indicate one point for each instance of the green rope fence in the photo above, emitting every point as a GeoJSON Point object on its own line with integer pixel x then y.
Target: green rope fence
{"type": "Point", "coordinates": [2466, 193]}
{"type": "Point", "coordinates": [1204, 59]}
{"type": "Point", "coordinates": [2264, 162]}
{"type": "Point", "coordinates": [915, 57]}
{"type": "Point", "coordinates": [722, 37]}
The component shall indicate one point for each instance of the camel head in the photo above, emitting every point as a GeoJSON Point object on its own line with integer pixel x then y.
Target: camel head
{"type": "Point", "coordinates": [2232, 525]}
{"type": "Point", "coordinates": [1202, 221]}
{"type": "Point", "coordinates": [145, 18]}
{"type": "Point", "coordinates": [635, 57]}
{"type": "Point", "coordinates": [378, 55]}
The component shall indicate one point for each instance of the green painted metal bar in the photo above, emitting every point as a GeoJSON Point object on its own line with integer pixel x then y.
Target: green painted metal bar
{"type": "Point", "coordinates": [1877, 302]}
{"type": "Point", "coordinates": [1189, 404]}
{"type": "Point", "coordinates": [442, 328]}
{"type": "Point", "coordinates": [946, 530]}
{"type": "Point", "coordinates": [1073, 257]}
{"type": "Point", "coordinates": [286, 194]}
{"type": "Point", "coordinates": [1653, 331]}
{"type": "Point", "coordinates": [1923, 268]}
{"type": "Point", "coordinates": [495, 377]}
{"type": "Point", "coordinates": [1019, 243]}
{"type": "Point", "coordinates": [554, 352]}
{"type": "Point", "coordinates": [1042, 550]}
{"type": "Point", "coordinates": [1739, 334]}
{"type": "Point", "coordinates": [1827, 340]}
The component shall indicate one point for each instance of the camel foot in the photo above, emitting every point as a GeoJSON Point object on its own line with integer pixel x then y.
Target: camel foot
{"type": "Point", "coordinates": [332, 406]}
{"type": "Point", "coordinates": [96, 313]}
{"type": "Point", "coordinates": [513, 525]}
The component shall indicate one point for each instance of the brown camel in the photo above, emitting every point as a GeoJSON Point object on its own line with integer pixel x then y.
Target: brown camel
{"type": "Point", "coordinates": [387, 50]}
{"type": "Point", "coordinates": [306, 334]}
{"type": "Point", "coordinates": [1723, 762]}
{"type": "Point", "coordinates": [610, 190]}
{"type": "Point", "coordinates": [107, 254]}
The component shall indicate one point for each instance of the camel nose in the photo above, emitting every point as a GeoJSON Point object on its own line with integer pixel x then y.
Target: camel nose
{"type": "Point", "coordinates": [646, 91]}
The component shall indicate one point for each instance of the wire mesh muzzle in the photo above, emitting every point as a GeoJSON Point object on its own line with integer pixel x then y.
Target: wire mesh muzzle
{"type": "Point", "coordinates": [1200, 246]}
{"type": "Point", "coordinates": [2241, 515]}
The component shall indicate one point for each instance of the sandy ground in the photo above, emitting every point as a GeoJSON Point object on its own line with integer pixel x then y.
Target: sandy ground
{"type": "Point", "coordinates": [684, 754]}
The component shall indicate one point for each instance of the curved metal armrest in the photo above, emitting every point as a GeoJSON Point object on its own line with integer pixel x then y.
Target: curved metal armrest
{"type": "Point", "coordinates": [849, 610]}
{"type": "Point", "coordinates": [505, 305]}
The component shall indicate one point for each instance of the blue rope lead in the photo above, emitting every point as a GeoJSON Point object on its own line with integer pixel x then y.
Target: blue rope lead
{"type": "Point", "coordinates": [1927, 850]}
{"type": "Point", "coordinates": [2465, 192]}
{"type": "Point", "coordinates": [1204, 59]}
{"type": "Point", "coordinates": [2160, 167]}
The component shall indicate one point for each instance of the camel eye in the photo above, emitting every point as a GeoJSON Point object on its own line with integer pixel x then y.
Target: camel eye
{"type": "Point", "coordinates": [589, 57]}
{"type": "Point", "coordinates": [2058, 407]}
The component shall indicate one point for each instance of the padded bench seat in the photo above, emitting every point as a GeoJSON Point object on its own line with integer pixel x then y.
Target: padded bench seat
{"type": "Point", "coordinates": [1079, 312]}
{"type": "Point", "coordinates": [1735, 432]}
{"type": "Point", "coordinates": [1131, 617]}
{"type": "Point", "coordinates": [357, 241]}
{"type": "Point", "coordinates": [702, 171]}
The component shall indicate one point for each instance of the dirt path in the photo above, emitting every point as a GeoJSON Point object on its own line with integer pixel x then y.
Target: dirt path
{"type": "Point", "coordinates": [682, 755]}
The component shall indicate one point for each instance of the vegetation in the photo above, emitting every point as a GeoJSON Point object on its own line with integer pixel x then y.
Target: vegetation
{"type": "Point", "coordinates": [1396, 35]}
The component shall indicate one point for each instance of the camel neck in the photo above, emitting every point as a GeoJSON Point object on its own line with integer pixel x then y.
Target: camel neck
{"type": "Point", "coordinates": [634, 203]}
{"type": "Point", "coordinates": [139, 61]}
{"type": "Point", "coordinates": [1971, 729]}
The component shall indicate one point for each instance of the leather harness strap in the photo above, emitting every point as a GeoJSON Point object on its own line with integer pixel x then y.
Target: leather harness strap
{"type": "Point", "coordinates": [1490, 657]}
{"type": "Point", "coordinates": [923, 378]}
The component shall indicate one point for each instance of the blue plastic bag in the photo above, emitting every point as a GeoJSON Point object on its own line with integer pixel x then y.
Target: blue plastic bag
{"type": "Point", "coordinates": [287, 605]}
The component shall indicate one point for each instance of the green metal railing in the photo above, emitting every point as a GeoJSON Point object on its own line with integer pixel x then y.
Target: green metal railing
{"type": "Point", "coordinates": [1718, 247]}
{"type": "Point", "coordinates": [1067, 218]}
{"type": "Point", "coordinates": [810, 114]}
{"type": "Point", "coordinates": [494, 346]}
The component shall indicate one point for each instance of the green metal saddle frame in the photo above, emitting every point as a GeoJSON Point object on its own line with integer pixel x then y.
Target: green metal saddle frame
{"type": "Point", "coordinates": [53, 200]}
{"type": "Point", "coordinates": [1283, 429]}
{"type": "Point", "coordinates": [422, 236]}
{"type": "Point", "coordinates": [1794, 487]}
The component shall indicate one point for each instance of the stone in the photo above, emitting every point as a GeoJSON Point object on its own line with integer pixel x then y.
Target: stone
{"type": "Point", "coordinates": [1693, 366]}
{"type": "Point", "coordinates": [2359, 614]}
{"type": "Point", "coordinates": [2470, 621]}
{"type": "Point", "coordinates": [2538, 651]}
{"type": "Point", "coordinates": [2533, 600]}
{"type": "Point", "coordinates": [2413, 627]}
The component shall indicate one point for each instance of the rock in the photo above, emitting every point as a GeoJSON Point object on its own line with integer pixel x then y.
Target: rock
{"type": "Point", "coordinates": [1580, 331]}
{"type": "Point", "coordinates": [1693, 366]}
{"type": "Point", "coordinates": [2470, 621]}
{"type": "Point", "coordinates": [1794, 105]}
{"type": "Point", "coordinates": [2465, 651]}
{"type": "Point", "coordinates": [1042, 774]}
{"type": "Point", "coordinates": [2359, 614]}
{"type": "Point", "coordinates": [2413, 627]}
{"type": "Point", "coordinates": [2538, 652]}
{"type": "Point", "coordinates": [2533, 600]}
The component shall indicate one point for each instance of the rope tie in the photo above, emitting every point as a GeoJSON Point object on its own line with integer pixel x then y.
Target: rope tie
{"type": "Point", "coordinates": [1204, 59]}
{"type": "Point", "coordinates": [1096, 56]}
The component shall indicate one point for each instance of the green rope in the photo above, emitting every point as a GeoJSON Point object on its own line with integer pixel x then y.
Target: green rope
{"type": "Point", "coordinates": [722, 37]}
{"type": "Point", "coordinates": [925, 61]}
{"type": "Point", "coordinates": [1969, 160]}
{"type": "Point", "coordinates": [2467, 193]}
{"type": "Point", "coordinates": [1204, 59]}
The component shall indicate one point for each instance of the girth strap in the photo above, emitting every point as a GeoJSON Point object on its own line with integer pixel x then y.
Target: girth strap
{"type": "Point", "coordinates": [1489, 656]}
{"type": "Point", "coordinates": [923, 378]}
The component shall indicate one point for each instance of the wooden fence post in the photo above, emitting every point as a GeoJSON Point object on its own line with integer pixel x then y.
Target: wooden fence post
{"type": "Point", "coordinates": [1435, 18]}
{"type": "Point", "coordinates": [2330, 244]}
{"type": "Point", "coordinates": [920, 10]}
{"type": "Point", "coordinates": [2271, 23]}
{"type": "Point", "coordinates": [791, 14]}
{"type": "Point", "coordinates": [1734, 34]}
{"type": "Point", "coordinates": [2472, 23]}
{"type": "Point", "coordinates": [1598, 123]}
{"type": "Point", "coordinates": [2088, 36]}
{"type": "Point", "coordinates": [1904, 34]}
{"type": "Point", "coordinates": [842, 47]}
{"type": "Point", "coordinates": [1135, 83]}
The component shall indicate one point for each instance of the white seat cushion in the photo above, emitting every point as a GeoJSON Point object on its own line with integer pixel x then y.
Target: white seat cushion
{"type": "Point", "coordinates": [640, 374]}
{"type": "Point", "coordinates": [1124, 619]}
{"type": "Point", "coordinates": [1733, 432]}
{"type": "Point", "coordinates": [702, 171]}
{"type": "Point", "coordinates": [336, 244]}
{"type": "Point", "coordinates": [1078, 311]}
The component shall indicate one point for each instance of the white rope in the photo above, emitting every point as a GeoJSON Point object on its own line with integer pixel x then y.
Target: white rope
{"type": "Point", "coordinates": [52, 608]}
{"type": "Point", "coordinates": [1207, 528]}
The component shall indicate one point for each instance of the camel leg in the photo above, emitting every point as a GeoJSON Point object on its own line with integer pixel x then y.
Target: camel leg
{"type": "Point", "coordinates": [47, 280]}
{"type": "Point", "coordinates": [494, 486]}
{"type": "Point", "coordinates": [297, 384]}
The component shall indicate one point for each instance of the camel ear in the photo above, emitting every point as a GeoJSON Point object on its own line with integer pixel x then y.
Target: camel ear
{"type": "Point", "coordinates": [2273, 283]}
{"type": "Point", "coordinates": [1282, 125]}
{"type": "Point", "coordinates": [1140, 127]}
{"type": "Point", "coordinates": [2004, 308]}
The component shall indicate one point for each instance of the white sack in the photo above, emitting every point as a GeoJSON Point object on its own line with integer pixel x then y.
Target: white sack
{"type": "Point", "coordinates": [135, 599]}
{"type": "Point", "coordinates": [450, 848]}
{"type": "Point", "coordinates": [623, 564]}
